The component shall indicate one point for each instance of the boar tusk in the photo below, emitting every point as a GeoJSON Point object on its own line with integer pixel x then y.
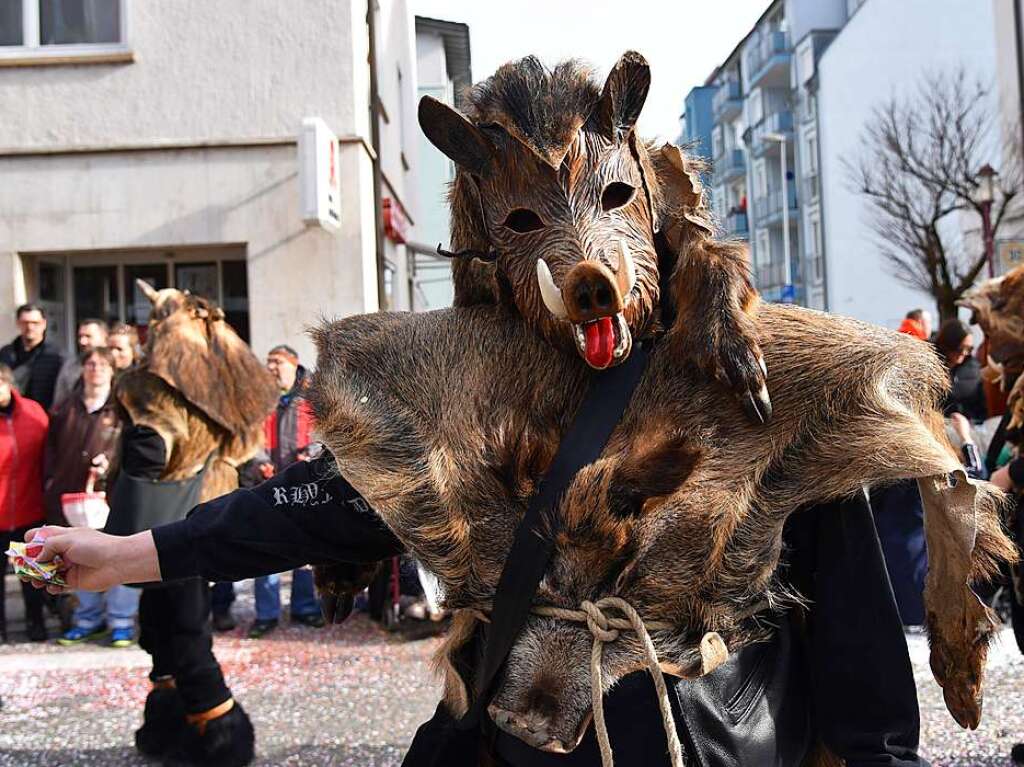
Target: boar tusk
{"type": "Point", "coordinates": [627, 263]}
{"type": "Point", "coordinates": [549, 291]}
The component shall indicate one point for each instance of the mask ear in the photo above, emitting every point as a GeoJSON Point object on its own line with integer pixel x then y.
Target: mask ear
{"type": "Point", "coordinates": [148, 290]}
{"type": "Point", "coordinates": [625, 92]}
{"type": "Point", "coordinates": [682, 213]}
{"type": "Point", "coordinates": [456, 137]}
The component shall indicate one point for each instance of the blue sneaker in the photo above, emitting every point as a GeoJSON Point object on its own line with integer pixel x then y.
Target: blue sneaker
{"type": "Point", "coordinates": [77, 635]}
{"type": "Point", "coordinates": [122, 637]}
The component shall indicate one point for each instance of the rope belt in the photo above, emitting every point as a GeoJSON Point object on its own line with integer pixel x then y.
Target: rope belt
{"type": "Point", "coordinates": [607, 629]}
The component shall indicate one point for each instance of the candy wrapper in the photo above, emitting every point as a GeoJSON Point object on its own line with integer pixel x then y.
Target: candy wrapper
{"type": "Point", "coordinates": [43, 572]}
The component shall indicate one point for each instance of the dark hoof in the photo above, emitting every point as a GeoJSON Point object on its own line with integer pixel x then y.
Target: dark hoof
{"type": "Point", "coordinates": [227, 741]}
{"type": "Point", "coordinates": [742, 369]}
{"type": "Point", "coordinates": [163, 722]}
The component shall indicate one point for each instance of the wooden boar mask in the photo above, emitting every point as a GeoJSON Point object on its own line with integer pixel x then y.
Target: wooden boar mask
{"type": "Point", "coordinates": [555, 188]}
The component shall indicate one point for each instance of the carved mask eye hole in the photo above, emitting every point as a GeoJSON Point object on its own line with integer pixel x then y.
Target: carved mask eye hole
{"type": "Point", "coordinates": [523, 220]}
{"type": "Point", "coordinates": [616, 194]}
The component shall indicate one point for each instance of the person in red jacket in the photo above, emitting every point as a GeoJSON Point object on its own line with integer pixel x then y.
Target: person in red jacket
{"type": "Point", "coordinates": [23, 425]}
{"type": "Point", "coordinates": [288, 437]}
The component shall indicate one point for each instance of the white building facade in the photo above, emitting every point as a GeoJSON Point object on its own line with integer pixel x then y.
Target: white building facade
{"type": "Point", "coordinates": [158, 140]}
{"type": "Point", "coordinates": [804, 82]}
{"type": "Point", "coordinates": [884, 50]}
{"type": "Point", "coordinates": [1009, 29]}
{"type": "Point", "coordinates": [445, 72]}
{"type": "Point", "coordinates": [765, 176]}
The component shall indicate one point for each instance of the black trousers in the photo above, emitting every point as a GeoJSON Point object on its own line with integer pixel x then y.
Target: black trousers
{"type": "Point", "coordinates": [175, 630]}
{"type": "Point", "coordinates": [34, 598]}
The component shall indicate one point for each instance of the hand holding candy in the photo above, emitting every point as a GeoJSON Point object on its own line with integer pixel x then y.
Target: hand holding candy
{"type": "Point", "coordinates": [90, 560]}
{"type": "Point", "coordinates": [27, 567]}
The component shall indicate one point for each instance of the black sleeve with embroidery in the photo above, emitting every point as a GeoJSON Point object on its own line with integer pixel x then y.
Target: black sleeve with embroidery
{"type": "Point", "coordinates": [307, 514]}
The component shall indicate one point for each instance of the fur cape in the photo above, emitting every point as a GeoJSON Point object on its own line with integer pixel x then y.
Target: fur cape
{"type": "Point", "coordinates": [445, 422]}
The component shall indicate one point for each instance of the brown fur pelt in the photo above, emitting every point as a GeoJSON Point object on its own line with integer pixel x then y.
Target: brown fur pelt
{"type": "Point", "coordinates": [183, 389]}
{"type": "Point", "coordinates": [445, 422]}
{"type": "Point", "coordinates": [197, 353]}
{"type": "Point", "coordinates": [998, 307]}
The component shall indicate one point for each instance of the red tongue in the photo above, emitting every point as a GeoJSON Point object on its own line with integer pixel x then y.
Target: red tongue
{"type": "Point", "coordinates": [600, 342]}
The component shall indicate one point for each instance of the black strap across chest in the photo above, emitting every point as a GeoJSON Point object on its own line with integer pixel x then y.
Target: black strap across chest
{"type": "Point", "coordinates": [608, 394]}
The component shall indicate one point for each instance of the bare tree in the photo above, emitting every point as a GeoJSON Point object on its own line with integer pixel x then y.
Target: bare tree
{"type": "Point", "coordinates": [918, 169]}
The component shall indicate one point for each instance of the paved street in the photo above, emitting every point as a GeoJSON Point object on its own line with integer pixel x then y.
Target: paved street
{"type": "Point", "coordinates": [342, 696]}
{"type": "Point", "coordinates": [349, 695]}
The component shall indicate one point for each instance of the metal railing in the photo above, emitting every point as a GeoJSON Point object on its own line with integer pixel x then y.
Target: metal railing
{"type": "Point", "coordinates": [771, 204]}
{"type": "Point", "coordinates": [769, 45]}
{"type": "Point", "coordinates": [729, 91]}
{"type": "Point", "coordinates": [773, 122]}
{"type": "Point", "coordinates": [730, 164]}
{"type": "Point", "coordinates": [736, 223]}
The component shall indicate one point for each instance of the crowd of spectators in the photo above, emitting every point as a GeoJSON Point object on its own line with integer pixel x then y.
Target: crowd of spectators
{"type": "Point", "coordinates": [60, 428]}
{"type": "Point", "coordinates": [59, 435]}
{"type": "Point", "coordinates": [972, 419]}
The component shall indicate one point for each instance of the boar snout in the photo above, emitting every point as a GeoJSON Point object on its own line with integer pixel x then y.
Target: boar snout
{"type": "Point", "coordinates": [537, 728]}
{"type": "Point", "coordinates": [544, 696]}
{"type": "Point", "coordinates": [590, 293]}
{"type": "Point", "coordinates": [593, 300]}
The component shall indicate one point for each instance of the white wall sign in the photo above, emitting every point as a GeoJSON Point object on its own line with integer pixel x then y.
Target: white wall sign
{"type": "Point", "coordinates": [319, 181]}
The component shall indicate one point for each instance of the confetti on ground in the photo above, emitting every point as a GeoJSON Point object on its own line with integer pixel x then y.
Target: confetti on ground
{"type": "Point", "coordinates": [345, 695]}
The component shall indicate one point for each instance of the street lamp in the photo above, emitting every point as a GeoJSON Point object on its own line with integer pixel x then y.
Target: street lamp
{"type": "Point", "coordinates": [780, 139]}
{"type": "Point", "coordinates": [986, 194]}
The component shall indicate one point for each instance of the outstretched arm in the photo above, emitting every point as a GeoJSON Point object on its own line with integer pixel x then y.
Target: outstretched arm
{"type": "Point", "coordinates": [307, 514]}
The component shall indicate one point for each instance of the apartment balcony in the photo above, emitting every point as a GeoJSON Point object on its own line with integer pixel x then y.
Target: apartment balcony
{"type": "Point", "coordinates": [727, 102]}
{"type": "Point", "coordinates": [774, 122]}
{"type": "Point", "coordinates": [770, 281]}
{"type": "Point", "coordinates": [730, 165]}
{"type": "Point", "coordinates": [768, 61]}
{"type": "Point", "coordinates": [736, 225]}
{"type": "Point", "coordinates": [768, 209]}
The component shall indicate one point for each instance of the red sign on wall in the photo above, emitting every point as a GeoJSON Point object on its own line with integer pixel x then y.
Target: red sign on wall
{"type": "Point", "coordinates": [395, 223]}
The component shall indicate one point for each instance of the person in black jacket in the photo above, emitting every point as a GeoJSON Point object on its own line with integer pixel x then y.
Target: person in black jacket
{"type": "Point", "coordinates": [967, 394]}
{"type": "Point", "coordinates": [849, 682]}
{"type": "Point", "coordinates": [36, 362]}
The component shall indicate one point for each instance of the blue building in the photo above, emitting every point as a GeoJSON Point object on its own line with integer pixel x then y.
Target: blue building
{"type": "Point", "coordinates": [764, 185]}
{"type": "Point", "coordinates": [697, 121]}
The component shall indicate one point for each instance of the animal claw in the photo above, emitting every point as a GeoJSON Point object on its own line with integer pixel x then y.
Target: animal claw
{"type": "Point", "coordinates": [742, 368]}
{"type": "Point", "coordinates": [757, 410]}
{"type": "Point", "coordinates": [764, 402]}
{"type": "Point", "coordinates": [337, 608]}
